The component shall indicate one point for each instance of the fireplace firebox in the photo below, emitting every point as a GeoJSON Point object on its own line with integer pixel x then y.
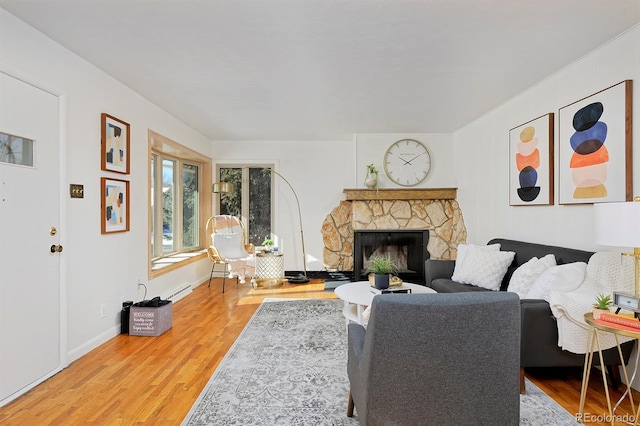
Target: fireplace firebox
{"type": "Point", "coordinates": [407, 247]}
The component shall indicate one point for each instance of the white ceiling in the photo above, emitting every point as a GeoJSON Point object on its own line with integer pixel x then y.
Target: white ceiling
{"type": "Point", "coordinates": [328, 69]}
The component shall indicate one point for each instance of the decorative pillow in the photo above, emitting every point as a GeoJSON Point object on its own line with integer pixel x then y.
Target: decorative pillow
{"type": "Point", "coordinates": [462, 253]}
{"type": "Point", "coordinates": [485, 268]}
{"type": "Point", "coordinates": [230, 246]}
{"type": "Point", "coordinates": [527, 273]}
{"type": "Point", "coordinates": [567, 277]}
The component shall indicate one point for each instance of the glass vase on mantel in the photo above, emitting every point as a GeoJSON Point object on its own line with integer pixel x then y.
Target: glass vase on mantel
{"type": "Point", "coordinates": [371, 179]}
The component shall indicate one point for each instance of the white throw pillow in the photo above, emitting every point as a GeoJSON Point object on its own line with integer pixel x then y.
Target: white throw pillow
{"type": "Point", "coordinates": [484, 268]}
{"type": "Point", "coordinates": [462, 253]}
{"type": "Point", "coordinates": [527, 273]}
{"type": "Point", "coordinates": [567, 277]}
{"type": "Point", "coordinates": [230, 246]}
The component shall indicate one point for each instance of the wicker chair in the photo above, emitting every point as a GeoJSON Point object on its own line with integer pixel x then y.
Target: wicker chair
{"type": "Point", "coordinates": [228, 247]}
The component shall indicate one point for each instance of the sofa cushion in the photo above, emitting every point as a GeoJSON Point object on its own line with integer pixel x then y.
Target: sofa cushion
{"type": "Point", "coordinates": [484, 268]}
{"type": "Point", "coordinates": [526, 274]}
{"type": "Point", "coordinates": [565, 277]}
{"type": "Point", "coordinates": [462, 254]}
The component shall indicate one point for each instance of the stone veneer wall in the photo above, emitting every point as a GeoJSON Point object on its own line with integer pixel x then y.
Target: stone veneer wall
{"type": "Point", "coordinates": [443, 219]}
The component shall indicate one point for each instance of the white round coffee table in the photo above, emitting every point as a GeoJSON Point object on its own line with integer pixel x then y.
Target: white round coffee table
{"type": "Point", "coordinates": [357, 296]}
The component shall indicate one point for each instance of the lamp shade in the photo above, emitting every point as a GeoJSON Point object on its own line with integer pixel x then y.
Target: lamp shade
{"type": "Point", "coordinates": [617, 224]}
{"type": "Point", "coordinates": [222, 187]}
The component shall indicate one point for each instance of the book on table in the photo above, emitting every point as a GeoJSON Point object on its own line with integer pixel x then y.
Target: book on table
{"type": "Point", "coordinates": [622, 321]}
{"type": "Point", "coordinates": [391, 290]}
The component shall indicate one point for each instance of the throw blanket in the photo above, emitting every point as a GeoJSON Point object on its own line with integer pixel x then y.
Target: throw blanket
{"type": "Point", "coordinates": [606, 272]}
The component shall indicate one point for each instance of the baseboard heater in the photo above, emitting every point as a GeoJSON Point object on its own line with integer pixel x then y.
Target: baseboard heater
{"type": "Point", "coordinates": [178, 293]}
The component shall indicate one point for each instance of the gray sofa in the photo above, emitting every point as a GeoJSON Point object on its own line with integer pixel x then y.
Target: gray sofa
{"type": "Point", "coordinates": [539, 332]}
{"type": "Point", "coordinates": [430, 359]}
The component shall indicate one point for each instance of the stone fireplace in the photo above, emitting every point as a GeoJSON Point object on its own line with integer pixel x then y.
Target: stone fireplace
{"type": "Point", "coordinates": [435, 210]}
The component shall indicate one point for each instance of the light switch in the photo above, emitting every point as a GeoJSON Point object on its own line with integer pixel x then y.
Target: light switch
{"type": "Point", "coordinates": [76, 191]}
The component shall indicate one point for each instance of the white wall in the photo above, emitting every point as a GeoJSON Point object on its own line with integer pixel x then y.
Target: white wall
{"type": "Point", "coordinates": [370, 148]}
{"type": "Point", "coordinates": [482, 164]}
{"type": "Point", "coordinates": [481, 151]}
{"type": "Point", "coordinates": [319, 171]}
{"type": "Point", "coordinates": [100, 268]}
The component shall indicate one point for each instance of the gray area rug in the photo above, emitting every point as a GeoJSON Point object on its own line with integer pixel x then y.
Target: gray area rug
{"type": "Point", "coordinates": [288, 367]}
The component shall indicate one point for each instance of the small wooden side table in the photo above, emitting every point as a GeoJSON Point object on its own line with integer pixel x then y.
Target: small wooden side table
{"type": "Point", "coordinates": [593, 339]}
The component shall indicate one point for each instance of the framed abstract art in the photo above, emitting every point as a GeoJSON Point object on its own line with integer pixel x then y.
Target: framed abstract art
{"type": "Point", "coordinates": [531, 162]}
{"type": "Point", "coordinates": [114, 205]}
{"type": "Point", "coordinates": [595, 147]}
{"type": "Point", "coordinates": [114, 141]}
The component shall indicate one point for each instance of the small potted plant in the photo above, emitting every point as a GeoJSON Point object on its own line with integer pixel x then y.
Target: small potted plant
{"type": "Point", "coordinates": [382, 267]}
{"type": "Point", "coordinates": [602, 304]}
{"type": "Point", "coordinates": [371, 178]}
{"type": "Point", "coordinates": [267, 244]}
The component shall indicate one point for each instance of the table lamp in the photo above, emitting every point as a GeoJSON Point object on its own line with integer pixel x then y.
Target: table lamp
{"type": "Point", "coordinates": [618, 224]}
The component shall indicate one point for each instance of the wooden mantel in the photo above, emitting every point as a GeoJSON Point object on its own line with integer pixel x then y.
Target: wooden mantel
{"type": "Point", "coordinates": [401, 194]}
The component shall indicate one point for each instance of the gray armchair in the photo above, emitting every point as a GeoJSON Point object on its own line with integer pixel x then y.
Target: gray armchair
{"type": "Point", "coordinates": [445, 359]}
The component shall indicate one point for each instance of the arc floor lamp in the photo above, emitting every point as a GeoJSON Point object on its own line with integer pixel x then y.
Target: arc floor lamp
{"type": "Point", "coordinates": [300, 279]}
{"type": "Point", "coordinates": [222, 187]}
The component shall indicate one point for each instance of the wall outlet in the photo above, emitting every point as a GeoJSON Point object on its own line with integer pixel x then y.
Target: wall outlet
{"type": "Point", "coordinates": [103, 310]}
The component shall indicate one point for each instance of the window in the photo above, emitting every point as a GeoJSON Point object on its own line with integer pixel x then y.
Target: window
{"type": "Point", "coordinates": [16, 150]}
{"type": "Point", "coordinates": [179, 197]}
{"type": "Point", "coordinates": [251, 199]}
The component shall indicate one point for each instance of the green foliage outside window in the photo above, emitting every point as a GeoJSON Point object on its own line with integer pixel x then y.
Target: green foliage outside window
{"type": "Point", "coordinates": [258, 193]}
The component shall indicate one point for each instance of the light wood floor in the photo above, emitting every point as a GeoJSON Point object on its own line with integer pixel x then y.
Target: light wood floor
{"type": "Point", "coordinates": [155, 380]}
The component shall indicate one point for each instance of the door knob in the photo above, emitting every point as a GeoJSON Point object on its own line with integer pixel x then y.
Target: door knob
{"type": "Point", "coordinates": [56, 249]}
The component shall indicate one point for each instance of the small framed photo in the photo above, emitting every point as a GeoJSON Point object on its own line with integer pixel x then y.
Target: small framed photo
{"type": "Point", "coordinates": [114, 205]}
{"type": "Point", "coordinates": [115, 144]}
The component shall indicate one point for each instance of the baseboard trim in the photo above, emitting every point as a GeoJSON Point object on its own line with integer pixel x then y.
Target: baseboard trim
{"type": "Point", "coordinates": [87, 347]}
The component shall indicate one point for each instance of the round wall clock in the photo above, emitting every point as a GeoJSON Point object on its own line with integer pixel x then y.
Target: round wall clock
{"type": "Point", "coordinates": [407, 162]}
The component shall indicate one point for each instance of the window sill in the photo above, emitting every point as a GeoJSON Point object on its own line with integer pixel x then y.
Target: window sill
{"type": "Point", "coordinates": [165, 264]}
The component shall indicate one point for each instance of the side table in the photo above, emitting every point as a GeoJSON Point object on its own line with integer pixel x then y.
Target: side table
{"type": "Point", "coordinates": [593, 339]}
{"type": "Point", "coordinates": [269, 269]}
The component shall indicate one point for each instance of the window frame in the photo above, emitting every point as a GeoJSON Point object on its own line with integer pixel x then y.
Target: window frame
{"type": "Point", "coordinates": [245, 191]}
{"type": "Point", "coordinates": [169, 149]}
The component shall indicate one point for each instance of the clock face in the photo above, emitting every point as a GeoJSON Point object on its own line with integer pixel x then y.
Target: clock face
{"type": "Point", "coordinates": [407, 162]}
{"type": "Point", "coordinates": [626, 301]}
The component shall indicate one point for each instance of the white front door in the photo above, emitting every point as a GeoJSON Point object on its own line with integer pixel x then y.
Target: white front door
{"type": "Point", "coordinates": [29, 211]}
